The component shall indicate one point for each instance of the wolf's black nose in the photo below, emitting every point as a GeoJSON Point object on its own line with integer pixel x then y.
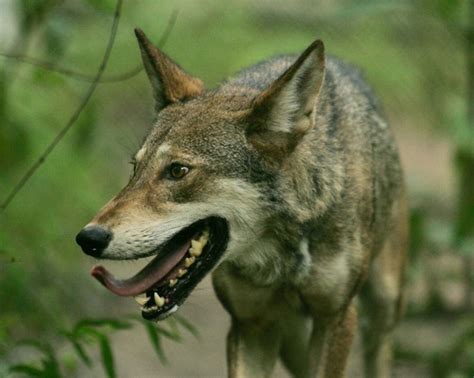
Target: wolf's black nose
{"type": "Point", "coordinates": [93, 240]}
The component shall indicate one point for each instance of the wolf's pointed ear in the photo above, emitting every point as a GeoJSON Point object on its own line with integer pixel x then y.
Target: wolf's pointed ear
{"type": "Point", "coordinates": [284, 112]}
{"type": "Point", "coordinates": [169, 81]}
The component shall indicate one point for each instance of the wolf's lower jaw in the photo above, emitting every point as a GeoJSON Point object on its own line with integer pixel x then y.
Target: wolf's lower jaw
{"type": "Point", "coordinates": [180, 264]}
{"type": "Point", "coordinates": [151, 301]}
{"type": "Point", "coordinates": [204, 251]}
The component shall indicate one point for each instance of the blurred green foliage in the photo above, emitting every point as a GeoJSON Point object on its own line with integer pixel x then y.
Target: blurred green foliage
{"type": "Point", "coordinates": [412, 52]}
{"type": "Point", "coordinates": [89, 331]}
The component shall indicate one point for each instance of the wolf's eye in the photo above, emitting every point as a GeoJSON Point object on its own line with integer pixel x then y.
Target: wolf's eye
{"type": "Point", "coordinates": [177, 171]}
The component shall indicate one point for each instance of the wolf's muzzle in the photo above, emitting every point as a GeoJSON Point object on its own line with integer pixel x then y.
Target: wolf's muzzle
{"type": "Point", "coordinates": [93, 240]}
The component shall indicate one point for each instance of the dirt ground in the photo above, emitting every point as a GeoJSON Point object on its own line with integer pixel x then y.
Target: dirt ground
{"type": "Point", "coordinates": [206, 357]}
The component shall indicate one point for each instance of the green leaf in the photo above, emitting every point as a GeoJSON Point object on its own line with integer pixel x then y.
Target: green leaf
{"type": "Point", "coordinates": [185, 324]}
{"type": "Point", "coordinates": [85, 328]}
{"type": "Point", "coordinates": [49, 362]}
{"type": "Point", "coordinates": [83, 332]}
{"type": "Point", "coordinates": [112, 323]}
{"type": "Point", "coordinates": [155, 341]}
{"type": "Point", "coordinates": [80, 351]}
{"type": "Point", "coordinates": [51, 368]}
{"type": "Point", "coordinates": [107, 356]}
{"type": "Point", "coordinates": [172, 334]}
{"type": "Point", "coordinates": [29, 370]}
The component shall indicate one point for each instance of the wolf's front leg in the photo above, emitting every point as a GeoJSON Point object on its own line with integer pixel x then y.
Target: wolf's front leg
{"type": "Point", "coordinates": [252, 349]}
{"type": "Point", "coordinates": [335, 278]}
{"type": "Point", "coordinates": [331, 343]}
{"type": "Point", "coordinates": [253, 342]}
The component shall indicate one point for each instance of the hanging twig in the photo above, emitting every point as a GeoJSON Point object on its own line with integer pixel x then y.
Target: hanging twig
{"type": "Point", "coordinates": [94, 82]}
{"type": "Point", "coordinates": [48, 66]}
{"type": "Point", "coordinates": [75, 115]}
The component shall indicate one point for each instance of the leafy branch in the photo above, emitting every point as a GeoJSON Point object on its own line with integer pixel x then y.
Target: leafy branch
{"type": "Point", "coordinates": [98, 331]}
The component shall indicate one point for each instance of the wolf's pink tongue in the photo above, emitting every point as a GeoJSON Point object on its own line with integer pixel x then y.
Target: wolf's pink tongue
{"type": "Point", "coordinates": [156, 270]}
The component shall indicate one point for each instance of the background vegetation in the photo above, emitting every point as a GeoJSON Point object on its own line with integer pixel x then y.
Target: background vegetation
{"type": "Point", "coordinates": [415, 54]}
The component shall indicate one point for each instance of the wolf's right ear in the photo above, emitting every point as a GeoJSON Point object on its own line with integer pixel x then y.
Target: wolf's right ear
{"type": "Point", "coordinates": [170, 82]}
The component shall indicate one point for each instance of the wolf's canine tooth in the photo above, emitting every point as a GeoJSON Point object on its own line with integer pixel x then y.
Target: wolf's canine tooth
{"type": "Point", "coordinates": [158, 300]}
{"type": "Point", "coordinates": [141, 299]}
{"type": "Point", "coordinates": [188, 261]}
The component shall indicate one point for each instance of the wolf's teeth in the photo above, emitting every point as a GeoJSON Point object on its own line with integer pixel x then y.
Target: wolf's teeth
{"type": "Point", "coordinates": [182, 272]}
{"type": "Point", "coordinates": [196, 244]}
{"type": "Point", "coordinates": [171, 283]}
{"type": "Point", "coordinates": [141, 299]}
{"type": "Point", "coordinates": [204, 238]}
{"type": "Point", "coordinates": [158, 300]}
{"type": "Point", "coordinates": [196, 248]}
{"type": "Point", "coordinates": [188, 261]}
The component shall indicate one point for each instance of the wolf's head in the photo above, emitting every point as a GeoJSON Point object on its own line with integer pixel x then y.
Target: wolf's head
{"type": "Point", "coordinates": [205, 180]}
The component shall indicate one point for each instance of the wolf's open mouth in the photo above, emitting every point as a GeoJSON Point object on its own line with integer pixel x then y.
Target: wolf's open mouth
{"type": "Point", "coordinates": [181, 263]}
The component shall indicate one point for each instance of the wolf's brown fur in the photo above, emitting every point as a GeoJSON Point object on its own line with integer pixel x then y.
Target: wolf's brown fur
{"type": "Point", "coordinates": [295, 154]}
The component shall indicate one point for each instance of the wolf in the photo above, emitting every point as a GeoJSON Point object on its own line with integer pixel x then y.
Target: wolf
{"type": "Point", "coordinates": [284, 182]}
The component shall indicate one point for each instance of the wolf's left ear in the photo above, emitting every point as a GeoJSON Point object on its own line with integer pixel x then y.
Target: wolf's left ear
{"type": "Point", "coordinates": [284, 112]}
{"type": "Point", "coordinates": [169, 81]}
